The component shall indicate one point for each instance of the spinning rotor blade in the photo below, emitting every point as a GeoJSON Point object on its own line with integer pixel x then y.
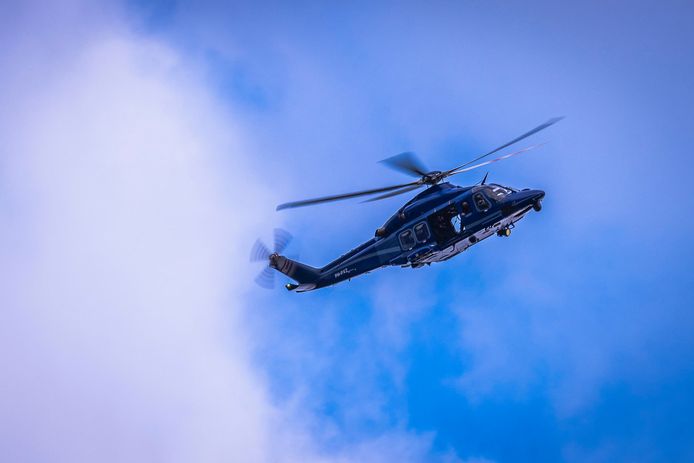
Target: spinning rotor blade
{"type": "Point", "coordinates": [266, 278]}
{"type": "Point", "coordinates": [326, 199]}
{"type": "Point", "coordinates": [550, 122]}
{"type": "Point", "coordinates": [407, 163]}
{"type": "Point", "coordinates": [260, 252]}
{"type": "Point", "coordinates": [500, 158]}
{"type": "Point", "coordinates": [282, 239]}
{"type": "Point", "coordinates": [392, 193]}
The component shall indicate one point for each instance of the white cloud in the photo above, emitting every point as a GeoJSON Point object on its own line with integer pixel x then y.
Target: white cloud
{"type": "Point", "coordinates": [121, 334]}
{"type": "Point", "coordinates": [119, 288]}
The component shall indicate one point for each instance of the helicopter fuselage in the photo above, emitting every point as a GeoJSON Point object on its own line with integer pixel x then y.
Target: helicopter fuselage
{"type": "Point", "coordinates": [437, 224]}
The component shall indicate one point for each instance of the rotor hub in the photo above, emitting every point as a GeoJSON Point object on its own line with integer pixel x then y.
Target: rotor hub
{"type": "Point", "coordinates": [433, 177]}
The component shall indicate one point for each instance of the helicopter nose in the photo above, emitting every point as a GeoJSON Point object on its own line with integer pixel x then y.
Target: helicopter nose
{"type": "Point", "coordinates": [521, 199]}
{"type": "Point", "coordinates": [538, 195]}
{"type": "Point", "coordinates": [529, 196]}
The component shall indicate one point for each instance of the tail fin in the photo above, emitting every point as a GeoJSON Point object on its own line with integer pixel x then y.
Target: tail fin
{"type": "Point", "coordinates": [306, 276]}
{"type": "Point", "coordinates": [302, 273]}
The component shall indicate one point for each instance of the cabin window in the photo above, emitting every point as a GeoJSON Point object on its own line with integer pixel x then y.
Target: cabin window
{"type": "Point", "coordinates": [407, 240]}
{"type": "Point", "coordinates": [481, 202]}
{"type": "Point", "coordinates": [421, 230]}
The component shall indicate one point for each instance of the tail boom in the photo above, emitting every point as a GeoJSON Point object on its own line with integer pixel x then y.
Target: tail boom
{"type": "Point", "coordinates": [305, 275]}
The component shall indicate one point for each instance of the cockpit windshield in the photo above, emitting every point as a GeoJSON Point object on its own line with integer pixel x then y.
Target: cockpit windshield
{"type": "Point", "coordinates": [497, 192]}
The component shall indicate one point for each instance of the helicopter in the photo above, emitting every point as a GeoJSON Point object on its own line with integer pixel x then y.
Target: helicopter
{"type": "Point", "coordinates": [435, 225]}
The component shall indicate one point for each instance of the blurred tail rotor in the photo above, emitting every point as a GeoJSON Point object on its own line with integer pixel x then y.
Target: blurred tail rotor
{"type": "Point", "coordinates": [261, 253]}
{"type": "Point", "coordinates": [282, 240]}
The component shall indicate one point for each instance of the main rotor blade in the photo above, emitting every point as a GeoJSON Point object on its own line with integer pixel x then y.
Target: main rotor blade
{"type": "Point", "coordinates": [406, 162]}
{"type": "Point", "coordinates": [326, 199]}
{"type": "Point", "coordinates": [550, 122]}
{"type": "Point", "coordinates": [500, 158]}
{"type": "Point", "coordinates": [393, 193]}
{"type": "Point", "coordinates": [259, 252]}
{"type": "Point", "coordinates": [282, 239]}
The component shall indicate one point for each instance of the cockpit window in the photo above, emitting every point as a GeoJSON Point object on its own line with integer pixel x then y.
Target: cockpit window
{"type": "Point", "coordinates": [481, 202]}
{"type": "Point", "coordinates": [407, 240]}
{"type": "Point", "coordinates": [497, 192]}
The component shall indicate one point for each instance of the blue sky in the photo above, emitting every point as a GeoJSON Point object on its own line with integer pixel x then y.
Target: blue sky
{"type": "Point", "coordinates": [570, 341]}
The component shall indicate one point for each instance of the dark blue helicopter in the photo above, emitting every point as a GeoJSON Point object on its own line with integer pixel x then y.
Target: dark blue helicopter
{"type": "Point", "coordinates": [437, 224]}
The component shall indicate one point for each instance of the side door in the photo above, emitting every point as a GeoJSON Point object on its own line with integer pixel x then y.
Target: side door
{"type": "Point", "coordinates": [481, 202]}
{"type": "Point", "coordinates": [479, 206]}
{"type": "Point", "coordinates": [466, 214]}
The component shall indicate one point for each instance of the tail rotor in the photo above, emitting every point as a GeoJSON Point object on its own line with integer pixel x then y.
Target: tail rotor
{"type": "Point", "coordinates": [261, 253]}
{"type": "Point", "coordinates": [282, 240]}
